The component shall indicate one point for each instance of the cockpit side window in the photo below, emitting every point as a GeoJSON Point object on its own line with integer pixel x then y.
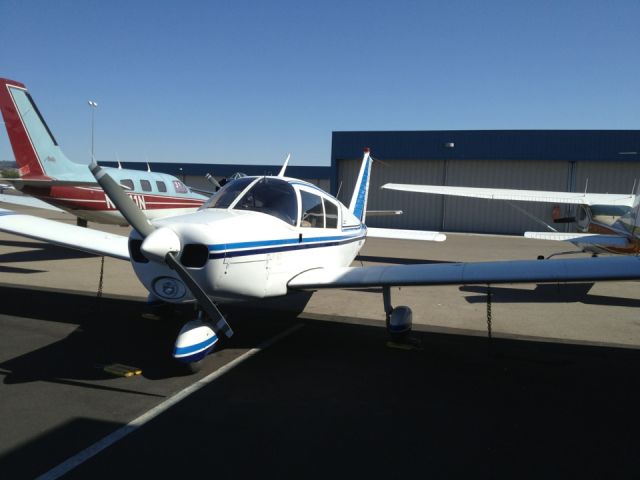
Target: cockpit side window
{"type": "Point", "coordinates": [312, 211]}
{"type": "Point", "coordinates": [224, 197]}
{"type": "Point", "coordinates": [273, 197]}
{"type": "Point", "coordinates": [180, 187]}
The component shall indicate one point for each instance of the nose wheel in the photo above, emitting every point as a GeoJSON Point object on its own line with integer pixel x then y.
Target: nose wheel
{"type": "Point", "coordinates": [196, 340]}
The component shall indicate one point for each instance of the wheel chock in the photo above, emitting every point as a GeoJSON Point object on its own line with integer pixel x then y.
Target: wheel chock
{"type": "Point", "coordinates": [120, 370]}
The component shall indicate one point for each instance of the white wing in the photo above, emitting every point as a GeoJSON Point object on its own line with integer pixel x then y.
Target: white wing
{"type": "Point", "coordinates": [513, 271]}
{"type": "Point", "coordinates": [78, 238]}
{"type": "Point", "coordinates": [519, 195]}
{"type": "Point", "coordinates": [398, 234]}
{"type": "Point", "coordinates": [584, 238]}
{"type": "Point", "coordinates": [27, 202]}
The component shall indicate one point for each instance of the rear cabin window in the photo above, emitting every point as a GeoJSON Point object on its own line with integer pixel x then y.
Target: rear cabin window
{"type": "Point", "coordinates": [127, 183]}
{"type": "Point", "coordinates": [162, 187]}
{"type": "Point", "coordinates": [312, 212]}
{"type": "Point", "coordinates": [331, 214]}
{"type": "Point", "coordinates": [146, 185]}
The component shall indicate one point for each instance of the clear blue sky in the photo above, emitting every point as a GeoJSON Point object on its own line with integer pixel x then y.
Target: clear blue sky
{"type": "Point", "coordinates": [248, 81]}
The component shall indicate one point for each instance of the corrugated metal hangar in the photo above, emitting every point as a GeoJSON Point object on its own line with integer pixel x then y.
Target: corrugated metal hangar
{"type": "Point", "coordinates": [602, 161]}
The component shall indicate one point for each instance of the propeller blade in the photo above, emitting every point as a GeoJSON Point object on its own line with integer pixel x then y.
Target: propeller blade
{"type": "Point", "coordinates": [122, 201]}
{"type": "Point", "coordinates": [205, 303]}
{"type": "Point", "coordinates": [212, 180]}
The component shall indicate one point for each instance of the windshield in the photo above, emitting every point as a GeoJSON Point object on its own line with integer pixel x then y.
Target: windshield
{"type": "Point", "coordinates": [227, 194]}
{"type": "Point", "coordinates": [273, 197]}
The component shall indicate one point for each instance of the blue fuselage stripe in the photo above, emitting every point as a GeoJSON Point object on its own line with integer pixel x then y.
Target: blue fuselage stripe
{"type": "Point", "coordinates": [273, 246]}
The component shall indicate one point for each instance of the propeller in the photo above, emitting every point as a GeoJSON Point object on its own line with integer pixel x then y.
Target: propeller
{"type": "Point", "coordinates": [213, 181]}
{"type": "Point", "coordinates": [161, 245]}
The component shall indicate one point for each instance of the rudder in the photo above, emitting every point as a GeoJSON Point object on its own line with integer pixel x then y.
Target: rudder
{"type": "Point", "coordinates": [35, 148]}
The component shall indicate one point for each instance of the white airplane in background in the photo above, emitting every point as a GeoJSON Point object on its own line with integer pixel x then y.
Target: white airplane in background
{"type": "Point", "coordinates": [605, 222]}
{"type": "Point", "coordinates": [48, 175]}
{"type": "Point", "coordinates": [269, 236]}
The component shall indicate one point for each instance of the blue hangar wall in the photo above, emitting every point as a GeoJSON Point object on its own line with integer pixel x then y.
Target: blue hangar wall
{"type": "Point", "coordinates": [558, 160]}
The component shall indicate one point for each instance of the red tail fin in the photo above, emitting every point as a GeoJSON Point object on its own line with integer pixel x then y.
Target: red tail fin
{"type": "Point", "coordinates": [23, 148]}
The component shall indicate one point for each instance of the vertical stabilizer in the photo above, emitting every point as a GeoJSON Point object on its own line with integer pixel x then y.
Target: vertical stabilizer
{"type": "Point", "coordinates": [358, 204]}
{"type": "Point", "coordinates": [35, 149]}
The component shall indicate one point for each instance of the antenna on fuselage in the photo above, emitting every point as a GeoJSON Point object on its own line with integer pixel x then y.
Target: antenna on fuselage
{"type": "Point", "coordinates": [586, 184]}
{"type": "Point", "coordinates": [284, 167]}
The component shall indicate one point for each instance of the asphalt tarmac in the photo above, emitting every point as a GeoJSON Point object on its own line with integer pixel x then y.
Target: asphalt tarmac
{"type": "Point", "coordinates": [553, 394]}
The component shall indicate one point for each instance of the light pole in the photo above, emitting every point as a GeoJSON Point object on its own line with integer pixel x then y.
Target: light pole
{"type": "Point", "coordinates": [92, 106]}
{"type": "Point", "coordinates": [81, 222]}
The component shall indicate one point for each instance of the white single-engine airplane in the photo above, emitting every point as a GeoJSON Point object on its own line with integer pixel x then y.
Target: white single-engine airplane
{"type": "Point", "coordinates": [606, 222]}
{"type": "Point", "coordinates": [268, 236]}
{"type": "Point", "coordinates": [48, 175]}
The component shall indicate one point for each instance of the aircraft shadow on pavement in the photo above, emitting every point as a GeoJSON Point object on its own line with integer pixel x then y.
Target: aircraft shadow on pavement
{"type": "Point", "coordinates": [332, 400]}
{"type": "Point", "coordinates": [39, 252]}
{"type": "Point", "coordinates": [546, 293]}
{"type": "Point", "coordinates": [113, 330]}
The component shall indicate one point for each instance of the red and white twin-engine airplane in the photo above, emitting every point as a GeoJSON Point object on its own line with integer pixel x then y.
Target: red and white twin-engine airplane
{"type": "Point", "coordinates": [48, 175]}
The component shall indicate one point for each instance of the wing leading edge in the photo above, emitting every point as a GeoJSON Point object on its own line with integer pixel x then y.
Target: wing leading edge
{"type": "Point", "coordinates": [64, 235]}
{"type": "Point", "coordinates": [577, 198]}
{"type": "Point", "coordinates": [511, 271]}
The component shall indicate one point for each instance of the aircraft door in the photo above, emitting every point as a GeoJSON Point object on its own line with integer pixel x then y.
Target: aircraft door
{"type": "Point", "coordinates": [583, 218]}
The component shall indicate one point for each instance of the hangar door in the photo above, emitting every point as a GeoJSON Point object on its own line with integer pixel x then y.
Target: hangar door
{"type": "Point", "coordinates": [609, 177]}
{"type": "Point", "coordinates": [493, 216]}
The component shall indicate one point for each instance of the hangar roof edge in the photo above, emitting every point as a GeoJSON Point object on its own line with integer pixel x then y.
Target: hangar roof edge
{"type": "Point", "coordinates": [174, 168]}
{"type": "Point", "coordinates": [567, 145]}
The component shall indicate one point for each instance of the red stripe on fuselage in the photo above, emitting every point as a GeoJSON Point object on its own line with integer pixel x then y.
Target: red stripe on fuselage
{"type": "Point", "coordinates": [79, 198]}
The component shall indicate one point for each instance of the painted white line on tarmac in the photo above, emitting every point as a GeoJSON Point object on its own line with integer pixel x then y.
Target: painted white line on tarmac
{"type": "Point", "coordinates": [135, 424]}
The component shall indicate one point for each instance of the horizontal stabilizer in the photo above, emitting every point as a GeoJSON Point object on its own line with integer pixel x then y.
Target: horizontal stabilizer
{"type": "Point", "coordinates": [27, 201]}
{"type": "Point", "coordinates": [382, 213]}
{"type": "Point", "coordinates": [577, 198]}
{"type": "Point", "coordinates": [511, 271]}
{"type": "Point", "coordinates": [583, 238]}
{"type": "Point", "coordinates": [65, 235]}
{"type": "Point", "coordinates": [397, 234]}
